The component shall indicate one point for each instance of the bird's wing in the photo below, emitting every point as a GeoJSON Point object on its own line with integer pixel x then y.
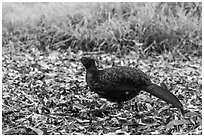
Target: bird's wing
{"type": "Point", "coordinates": [124, 76]}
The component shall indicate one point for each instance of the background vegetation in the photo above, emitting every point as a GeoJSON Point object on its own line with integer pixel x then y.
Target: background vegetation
{"type": "Point", "coordinates": [43, 83]}
{"type": "Point", "coordinates": [109, 27]}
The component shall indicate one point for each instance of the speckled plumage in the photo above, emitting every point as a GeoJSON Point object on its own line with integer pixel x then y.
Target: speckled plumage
{"type": "Point", "coordinates": [117, 83]}
{"type": "Point", "coordinates": [122, 83]}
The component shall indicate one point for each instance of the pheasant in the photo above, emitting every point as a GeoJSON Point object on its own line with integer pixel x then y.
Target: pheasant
{"type": "Point", "coordinates": [121, 83]}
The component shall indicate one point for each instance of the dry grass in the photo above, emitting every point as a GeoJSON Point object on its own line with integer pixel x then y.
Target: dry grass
{"type": "Point", "coordinates": [109, 25]}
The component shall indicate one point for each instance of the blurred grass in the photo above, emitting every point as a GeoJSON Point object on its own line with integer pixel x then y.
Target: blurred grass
{"type": "Point", "coordinates": [109, 27]}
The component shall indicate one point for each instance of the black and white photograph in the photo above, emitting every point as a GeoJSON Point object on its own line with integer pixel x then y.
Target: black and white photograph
{"type": "Point", "coordinates": [101, 68]}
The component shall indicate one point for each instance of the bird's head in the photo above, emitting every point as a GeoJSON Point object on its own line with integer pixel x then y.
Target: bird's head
{"type": "Point", "coordinates": [89, 63]}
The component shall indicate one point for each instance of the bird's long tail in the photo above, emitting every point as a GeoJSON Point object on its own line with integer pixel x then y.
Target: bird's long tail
{"type": "Point", "coordinates": [164, 94]}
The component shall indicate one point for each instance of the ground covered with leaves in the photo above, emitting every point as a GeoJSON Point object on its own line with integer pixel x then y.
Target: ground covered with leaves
{"type": "Point", "coordinates": [47, 94]}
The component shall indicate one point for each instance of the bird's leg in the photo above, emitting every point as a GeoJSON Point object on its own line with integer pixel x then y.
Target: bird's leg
{"type": "Point", "coordinates": [136, 108]}
{"type": "Point", "coordinates": [120, 106]}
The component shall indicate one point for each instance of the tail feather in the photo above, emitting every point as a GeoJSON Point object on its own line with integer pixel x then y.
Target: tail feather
{"type": "Point", "coordinates": [164, 94]}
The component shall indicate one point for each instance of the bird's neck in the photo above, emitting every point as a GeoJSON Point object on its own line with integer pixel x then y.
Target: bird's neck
{"type": "Point", "coordinates": [92, 69]}
{"type": "Point", "coordinates": [91, 74]}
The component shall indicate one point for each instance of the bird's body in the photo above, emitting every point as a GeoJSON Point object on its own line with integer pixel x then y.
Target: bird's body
{"type": "Point", "coordinates": [120, 83]}
{"type": "Point", "coordinates": [116, 84]}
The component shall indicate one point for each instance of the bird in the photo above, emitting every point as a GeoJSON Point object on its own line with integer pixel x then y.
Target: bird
{"type": "Point", "coordinates": [122, 83]}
